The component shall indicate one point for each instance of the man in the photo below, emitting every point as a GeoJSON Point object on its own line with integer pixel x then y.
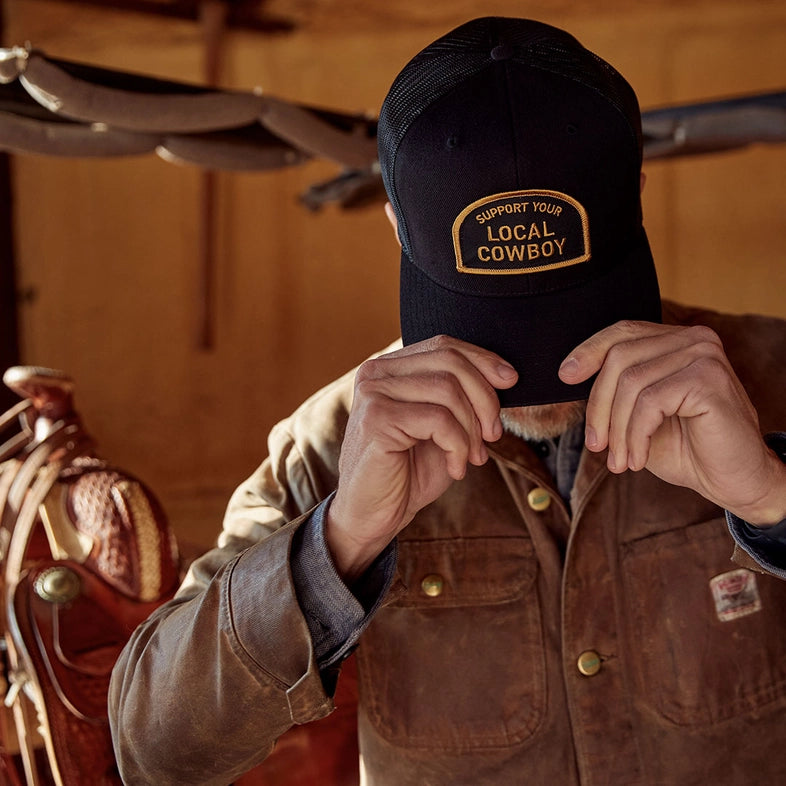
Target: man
{"type": "Point", "coordinates": [543, 467]}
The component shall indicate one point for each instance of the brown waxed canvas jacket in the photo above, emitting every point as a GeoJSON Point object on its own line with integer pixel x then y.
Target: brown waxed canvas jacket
{"type": "Point", "coordinates": [644, 655]}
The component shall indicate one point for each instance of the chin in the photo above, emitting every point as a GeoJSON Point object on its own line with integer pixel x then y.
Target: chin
{"type": "Point", "coordinates": [543, 421]}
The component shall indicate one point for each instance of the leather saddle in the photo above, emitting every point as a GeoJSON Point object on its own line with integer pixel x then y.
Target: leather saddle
{"type": "Point", "coordinates": [86, 555]}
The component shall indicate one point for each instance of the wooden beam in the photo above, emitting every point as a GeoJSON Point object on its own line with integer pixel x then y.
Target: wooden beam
{"type": "Point", "coordinates": [241, 14]}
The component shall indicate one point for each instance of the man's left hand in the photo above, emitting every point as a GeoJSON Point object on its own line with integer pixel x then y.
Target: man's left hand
{"type": "Point", "coordinates": [667, 399]}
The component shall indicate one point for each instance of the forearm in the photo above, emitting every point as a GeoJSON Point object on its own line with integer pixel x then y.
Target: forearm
{"type": "Point", "coordinates": [207, 684]}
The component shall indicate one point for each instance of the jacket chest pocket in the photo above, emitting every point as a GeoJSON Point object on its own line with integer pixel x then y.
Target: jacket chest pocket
{"type": "Point", "coordinates": [709, 637]}
{"type": "Point", "coordinates": [456, 662]}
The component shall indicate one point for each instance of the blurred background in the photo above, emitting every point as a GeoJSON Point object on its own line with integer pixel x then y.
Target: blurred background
{"type": "Point", "coordinates": [185, 357]}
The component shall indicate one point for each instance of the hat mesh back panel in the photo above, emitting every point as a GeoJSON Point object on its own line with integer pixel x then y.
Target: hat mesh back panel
{"type": "Point", "coordinates": [466, 51]}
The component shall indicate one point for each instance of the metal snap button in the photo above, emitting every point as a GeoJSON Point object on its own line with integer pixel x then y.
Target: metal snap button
{"type": "Point", "coordinates": [432, 585]}
{"type": "Point", "coordinates": [589, 663]}
{"type": "Point", "coordinates": [539, 498]}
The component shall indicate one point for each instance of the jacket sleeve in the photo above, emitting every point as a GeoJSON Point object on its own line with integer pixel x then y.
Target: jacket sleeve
{"type": "Point", "coordinates": [208, 683]}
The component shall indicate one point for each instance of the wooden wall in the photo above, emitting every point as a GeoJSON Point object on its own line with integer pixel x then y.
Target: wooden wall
{"type": "Point", "coordinates": [107, 251]}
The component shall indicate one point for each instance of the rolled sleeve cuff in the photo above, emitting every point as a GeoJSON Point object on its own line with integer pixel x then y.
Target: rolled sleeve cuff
{"type": "Point", "coordinates": [336, 616]}
{"type": "Point", "coordinates": [267, 630]}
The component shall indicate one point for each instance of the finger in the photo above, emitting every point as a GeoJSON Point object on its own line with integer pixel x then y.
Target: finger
{"type": "Point", "coordinates": [706, 393]}
{"type": "Point", "coordinates": [635, 384]}
{"type": "Point", "coordinates": [643, 343]}
{"type": "Point", "coordinates": [588, 357]}
{"type": "Point", "coordinates": [440, 388]}
{"type": "Point", "coordinates": [395, 426]}
{"type": "Point", "coordinates": [477, 371]}
{"type": "Point", "coordinates": [683, 395]}
{"type": "Point", "coordinates": [495, 369]}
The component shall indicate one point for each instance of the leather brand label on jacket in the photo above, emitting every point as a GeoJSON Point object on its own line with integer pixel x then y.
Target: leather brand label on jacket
{"type": "Point", "coordinates": [736, 594]}
{"type": "Point", "coordinates": [521, 232]}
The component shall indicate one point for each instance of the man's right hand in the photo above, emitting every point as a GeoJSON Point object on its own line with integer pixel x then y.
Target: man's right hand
{"type": "Point", "coordinates": [419, 415]}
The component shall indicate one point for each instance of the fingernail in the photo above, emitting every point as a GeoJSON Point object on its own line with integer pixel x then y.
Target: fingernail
{"type": "Point", "coordinates": [569, 367]}
{"type": "Point", "coordinates": [506, 371]}
{"type": "Point", "coordinates": [611, 461]}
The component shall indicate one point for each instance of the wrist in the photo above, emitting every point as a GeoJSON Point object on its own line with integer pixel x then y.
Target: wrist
{"type": "Point", "coordinates": [769, 508]}
{"type": "Point", "coordinates": [352, 556]}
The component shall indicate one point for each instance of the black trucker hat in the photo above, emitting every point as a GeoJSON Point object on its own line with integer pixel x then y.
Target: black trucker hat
{"type": "Point", "coordinates": [511, 156]}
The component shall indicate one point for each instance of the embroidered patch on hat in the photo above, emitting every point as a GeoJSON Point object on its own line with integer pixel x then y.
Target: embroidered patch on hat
{"type": "Point", "coordinates": [736, 594]}
{"type": "Point", "coordinates": [521, 232]}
